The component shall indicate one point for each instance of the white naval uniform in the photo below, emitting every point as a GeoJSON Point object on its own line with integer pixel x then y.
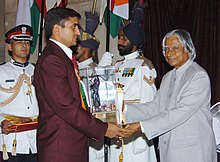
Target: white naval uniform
{"type": "Point", "coordinates": [96, 149]}
{"type": "Point", "coordinates": [136, 89]}
{"type": "Point", "coordinates": [23, 105]}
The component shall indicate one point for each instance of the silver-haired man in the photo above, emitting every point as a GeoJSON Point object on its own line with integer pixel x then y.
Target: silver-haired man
{"type": "Point", "coordinates": [180, 112]}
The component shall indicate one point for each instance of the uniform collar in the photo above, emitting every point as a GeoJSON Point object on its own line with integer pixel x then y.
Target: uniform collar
{"type": "Point", "coordinates": [19, 64]}
{"type": "Point", "coordinates": [66, 49]}
{"type": "Point", "coordinates": [85, 63]}
{"type": "Point", "coordinates": [132, 55]}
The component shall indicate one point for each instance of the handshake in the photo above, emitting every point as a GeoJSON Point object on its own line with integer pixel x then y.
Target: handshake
{"type": "Point", "coordinates": [115, 131]}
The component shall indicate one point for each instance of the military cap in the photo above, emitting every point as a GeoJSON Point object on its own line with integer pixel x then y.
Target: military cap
{"type": "Point", "coordinates": [133, 30]}
{"type": "Point", "coordinates": [20, 32]}
{"type": "Point", "coordinates": [135, 34]}
{"type": "Point", "coordinates": [87, 39]}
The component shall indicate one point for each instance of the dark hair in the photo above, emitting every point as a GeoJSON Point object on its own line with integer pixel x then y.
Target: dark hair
{"type": "Point", "coordinates": [58, 16]}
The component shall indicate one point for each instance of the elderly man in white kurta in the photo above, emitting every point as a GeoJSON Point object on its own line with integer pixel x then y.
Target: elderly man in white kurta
{"type": "Point", "coordinates": [180, 112]}
{"type": "Point", "coordinates": [136, 75]}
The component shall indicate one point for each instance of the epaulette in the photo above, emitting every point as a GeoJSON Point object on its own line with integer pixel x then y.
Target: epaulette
{"type": "Point", "coordinates": [3, 63]}
{"type": "Point", "coordinates": [146, 62]}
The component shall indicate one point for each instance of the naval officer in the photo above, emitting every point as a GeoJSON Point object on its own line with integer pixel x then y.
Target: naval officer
{"type": "Point", "coordinates": [17, 97]}
{"type": "Point", "coordinates": [136, 75]}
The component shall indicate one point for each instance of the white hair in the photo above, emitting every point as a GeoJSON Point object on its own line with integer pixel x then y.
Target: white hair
{"type": "Point", "coordinates": [184, 38]}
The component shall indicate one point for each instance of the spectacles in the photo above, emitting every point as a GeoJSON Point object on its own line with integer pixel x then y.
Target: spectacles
{"type": "Point", "coordinates": [174, 48]}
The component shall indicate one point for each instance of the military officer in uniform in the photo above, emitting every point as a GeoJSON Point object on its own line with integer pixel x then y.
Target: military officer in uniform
{"type": "Point", "coordinates": [18, 103]}
{"type": "Point", "coordinates": [136, 75]}
{"type": "Point", "coordinates": [87, 47]}
{"type": "Point", "coordinates": [88, 44]}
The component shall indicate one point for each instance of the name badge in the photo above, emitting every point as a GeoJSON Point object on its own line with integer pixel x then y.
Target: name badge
{"type": "Point", "coordinates": [9, 80]}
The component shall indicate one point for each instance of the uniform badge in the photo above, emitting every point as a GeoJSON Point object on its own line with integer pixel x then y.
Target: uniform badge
{"type": "Point", "coordinates": [149, 80]}
{"type": "Point", "coordinates": [23, 30]}
{"type": "Point", "coordinates": [128, 72]}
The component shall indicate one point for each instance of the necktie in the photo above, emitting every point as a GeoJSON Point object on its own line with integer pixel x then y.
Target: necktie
{"type": "Point", "coordinates": [83, 94]}
{"type": "Point", "coordinates": [74, 63]}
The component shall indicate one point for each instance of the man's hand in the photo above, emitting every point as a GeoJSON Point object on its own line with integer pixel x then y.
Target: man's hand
{"type": "Point", "coordinates": [114, 131]}
{"type": "Point", "coordinates": [6, 127]}
{"type": "Point", "coordinates": [133, 128]}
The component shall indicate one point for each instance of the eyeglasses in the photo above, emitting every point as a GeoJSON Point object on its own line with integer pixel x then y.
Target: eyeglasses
{"type": "Point", "coordinates": [174, 48]}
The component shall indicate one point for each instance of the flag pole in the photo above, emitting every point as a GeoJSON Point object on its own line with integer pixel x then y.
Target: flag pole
{"type": "Point", "coordinates": [106, 139]}
{"type": "Point", "coordinates": [94, 6]}
{"type": "Point", "coordinates": [108, 26]}
{"type": "Point", "coordinates": [41, 28]}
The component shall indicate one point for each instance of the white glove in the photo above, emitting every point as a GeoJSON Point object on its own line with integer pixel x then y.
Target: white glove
{"type": "Point", "coordinates": [106, 59]}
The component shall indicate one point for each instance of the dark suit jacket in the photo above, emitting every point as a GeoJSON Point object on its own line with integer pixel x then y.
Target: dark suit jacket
{"type": "Point", "coordinates": [64, 127]}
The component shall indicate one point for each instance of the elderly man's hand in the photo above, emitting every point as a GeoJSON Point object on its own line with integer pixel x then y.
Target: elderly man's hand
{"type": "Point", "coordinates": [133, 128]}
{"type": "Point", "coordinates": [115, 131]}
{"type": "Point", "coordinates": [6, 127]}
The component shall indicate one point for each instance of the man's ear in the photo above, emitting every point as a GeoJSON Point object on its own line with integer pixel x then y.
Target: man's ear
{"type": "Point", "coordinates": [134, 48]}
{"type": "Point", "coordinates": [9, 47]}
{"type": "Point", "coordinates": [56, 29]}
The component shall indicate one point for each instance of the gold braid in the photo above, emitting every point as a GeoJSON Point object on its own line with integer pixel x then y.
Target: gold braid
{"type": "Point", "coordinates": [15, 90]}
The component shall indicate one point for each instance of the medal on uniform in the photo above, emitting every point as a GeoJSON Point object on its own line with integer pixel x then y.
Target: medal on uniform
{"type": "Point", "coordinates": [128, 72]}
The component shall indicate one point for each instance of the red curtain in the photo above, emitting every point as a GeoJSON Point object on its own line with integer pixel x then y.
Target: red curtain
{"type": "Point", "coordinates": [201, 18]}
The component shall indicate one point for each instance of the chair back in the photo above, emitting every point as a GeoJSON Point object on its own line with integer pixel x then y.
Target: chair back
{"type": "Point", "coordinates": [215, 109]}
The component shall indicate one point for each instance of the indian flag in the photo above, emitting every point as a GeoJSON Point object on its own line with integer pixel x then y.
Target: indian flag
{"type": "Point", "coordinates": [119, 9]}
{"type": "Point", "coordinates": [28, 12]}
{"type": "Point", "coordinates": [48, 4]}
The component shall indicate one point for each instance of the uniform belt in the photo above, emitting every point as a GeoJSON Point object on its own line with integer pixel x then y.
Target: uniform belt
{"type": "Point", "coordinates": [22, 123]}
{"type": "Point", "coordinates": [131, 101]}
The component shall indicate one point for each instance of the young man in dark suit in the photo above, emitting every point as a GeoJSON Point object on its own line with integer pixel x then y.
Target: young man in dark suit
{"type": "Point", "coordinates": [64, 126]}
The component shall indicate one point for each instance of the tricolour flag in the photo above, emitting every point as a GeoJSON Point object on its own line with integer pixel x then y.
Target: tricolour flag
{"type": "Point", "coordinates": [48, 4]}
{"type": "Point", "coordinates": [28, 12]}
{"type": "Point", "coordinates": [119, 9]}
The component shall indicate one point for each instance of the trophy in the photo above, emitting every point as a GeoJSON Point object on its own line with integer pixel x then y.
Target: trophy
{"type": "Point", "coordinates": [101, 89]}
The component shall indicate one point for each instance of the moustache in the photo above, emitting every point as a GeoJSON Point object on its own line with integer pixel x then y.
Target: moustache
{"type": "Point", "coordinates": [121, 46]}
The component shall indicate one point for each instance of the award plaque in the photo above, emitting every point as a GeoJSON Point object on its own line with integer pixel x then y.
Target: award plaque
{"type": "Point", "coordinates": [101, 89]}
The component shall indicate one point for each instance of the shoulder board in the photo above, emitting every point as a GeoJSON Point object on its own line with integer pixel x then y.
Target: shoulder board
{"type": "Point", "coordinates": [146, 62]}
{"type": "Point", "coordinates": [120, 60]}
{"type": "Point", "coordinates": [3, 63]}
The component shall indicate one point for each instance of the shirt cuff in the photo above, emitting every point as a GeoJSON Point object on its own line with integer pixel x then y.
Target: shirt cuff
{"type": "Point", "coordinates": [142, 128]}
